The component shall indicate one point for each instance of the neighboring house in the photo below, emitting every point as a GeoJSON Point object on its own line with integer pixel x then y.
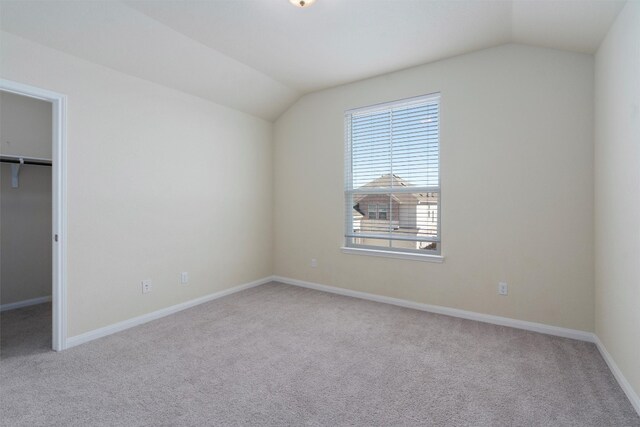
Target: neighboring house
{"type": "Point", "coordinates": [408, 215]}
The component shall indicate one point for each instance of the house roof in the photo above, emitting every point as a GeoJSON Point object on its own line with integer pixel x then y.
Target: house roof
{"type": "Point", "coordinates": [394, 181]}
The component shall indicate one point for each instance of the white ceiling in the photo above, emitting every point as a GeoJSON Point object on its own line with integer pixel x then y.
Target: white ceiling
{"type": "Point", "coordinates": [259, 56]}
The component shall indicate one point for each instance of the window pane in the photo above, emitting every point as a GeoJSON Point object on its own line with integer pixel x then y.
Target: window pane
{"type": "Point", "coordinates": [370, 148]}
{"type": "Point", "coordinates": [415, 146]}
{"type": "Point", "coordinates": [372, 242]}
{"type": "Point", "coordinates": [371, 212]}
{"type": "Point", "coordinates": [402, 216]}
{"type": "Point", "coordinates": [382, 211]}
{"type": "Point", "coordinates": [373, 220]}
{"type": "Point", "coordinates": [417, 246]}
{"type": "Point", "coordinates": [396, 148]}
{"type": "Point", "coordinates": [417, 214]}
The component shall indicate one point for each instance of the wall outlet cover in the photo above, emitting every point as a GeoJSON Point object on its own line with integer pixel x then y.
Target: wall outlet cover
{"type": "Point", "coordinates": [503, 288]}
{"type": "Point", "coordinates": [147, 286]}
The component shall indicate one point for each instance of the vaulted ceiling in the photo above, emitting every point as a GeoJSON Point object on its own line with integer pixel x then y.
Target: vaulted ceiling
{"type": "Point", "coordinates": [259, 56]}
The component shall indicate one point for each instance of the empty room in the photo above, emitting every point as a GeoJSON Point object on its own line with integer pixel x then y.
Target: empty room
{"type": "Point", "coordinates": [320, 212]}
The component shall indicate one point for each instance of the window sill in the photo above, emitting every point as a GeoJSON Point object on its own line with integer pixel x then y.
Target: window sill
{"type": "Point", "coordinates": [393, 254]}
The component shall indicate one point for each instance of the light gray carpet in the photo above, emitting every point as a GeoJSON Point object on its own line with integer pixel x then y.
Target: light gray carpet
{"type": "Point", "coordinates": [281, 355]}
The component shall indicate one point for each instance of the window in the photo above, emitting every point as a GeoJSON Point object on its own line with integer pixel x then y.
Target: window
{"type": "Point", "coordinates": [372, 210]}
{"type": "Point", "coordinates": [376, 211]}
{"type": "Point", "coordinates": [382, 212]}
{"type": "Point", "coordinates": [393, 168]}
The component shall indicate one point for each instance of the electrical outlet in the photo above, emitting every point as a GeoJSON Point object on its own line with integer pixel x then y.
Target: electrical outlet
{"type": "Point", "coordinates": [184, 278]}
{"type": "Point", "coordinates": [314, 263]}
{"type": "Point", "coordinates": [503, 288]}
{"type": "Point", "coordinates": [146, 286]}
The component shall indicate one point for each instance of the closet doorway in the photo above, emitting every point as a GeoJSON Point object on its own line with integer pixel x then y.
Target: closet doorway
{"type": "Point", "coordinates": [33, 208]}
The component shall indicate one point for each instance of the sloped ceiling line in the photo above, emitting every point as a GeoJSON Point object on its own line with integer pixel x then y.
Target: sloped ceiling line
{"type": "Point", "coordinates": [259, 57]}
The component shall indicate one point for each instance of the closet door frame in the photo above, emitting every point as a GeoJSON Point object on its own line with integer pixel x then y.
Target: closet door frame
{"type": "Point", "coordinates": [59, 203]}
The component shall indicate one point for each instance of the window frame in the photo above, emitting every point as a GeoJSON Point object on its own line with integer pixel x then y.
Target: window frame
{"type": "Point", "coordinates": [350, 247]}
{"type": "Point", "coordinates": [373, 211]}
{"type": "Point", "coordinates": [380, 208]}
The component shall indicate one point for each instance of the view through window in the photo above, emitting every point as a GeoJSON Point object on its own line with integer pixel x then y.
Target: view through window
{"type": "Point", "coordinates": [392, 191]}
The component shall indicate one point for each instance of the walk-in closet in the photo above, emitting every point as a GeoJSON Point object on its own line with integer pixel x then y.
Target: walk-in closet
{"type": "Point", "coordinates": [25, 223]}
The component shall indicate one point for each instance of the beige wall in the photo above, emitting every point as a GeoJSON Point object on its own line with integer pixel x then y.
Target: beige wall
{"type": "Point", "coordinates": [159, 182]}
{"type": "Point", "coordinates": [25, 126]}
{"type": "Point", "coordinates": [517, 193]}
{"type": "Point", "coordinates": [162, 182]}
{"type": "Point", "coordinates": [617, 192]}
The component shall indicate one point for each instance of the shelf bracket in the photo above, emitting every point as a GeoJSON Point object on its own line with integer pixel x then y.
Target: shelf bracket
{"type": "Point", "coordinates": [15, 173]}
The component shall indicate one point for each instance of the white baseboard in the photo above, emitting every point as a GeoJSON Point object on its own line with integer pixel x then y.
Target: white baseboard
{"type": "Point", "coordinates": [464, 314]}
{"type": "Point", "coordinates": [454, 312]}
{"type": "Point", "coordinates": [25, 303]}
{"type": "Point", "coordinates": [486, 318]}
{"type": "Point", "coordinates": [617, 373]}
{"type": "Point", "coordinates": [130, 323]}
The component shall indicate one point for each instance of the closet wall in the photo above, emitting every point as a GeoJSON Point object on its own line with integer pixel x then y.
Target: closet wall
{"type": "Point", "coordinates": [617, 193]}
{"type": "Point", "coordinates": [25, 212]}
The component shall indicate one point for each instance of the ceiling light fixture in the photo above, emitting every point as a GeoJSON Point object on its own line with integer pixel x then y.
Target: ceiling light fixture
{"type": "Point", "coordinates": [302, 3]}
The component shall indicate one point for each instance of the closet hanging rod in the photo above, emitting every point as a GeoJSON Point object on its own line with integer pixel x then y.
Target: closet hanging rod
{"type": "Point", "coordinates": [25, 160]}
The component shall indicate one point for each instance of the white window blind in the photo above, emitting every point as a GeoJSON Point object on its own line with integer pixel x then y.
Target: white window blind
{"type": "Point", "coordinates": [392, 165]}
